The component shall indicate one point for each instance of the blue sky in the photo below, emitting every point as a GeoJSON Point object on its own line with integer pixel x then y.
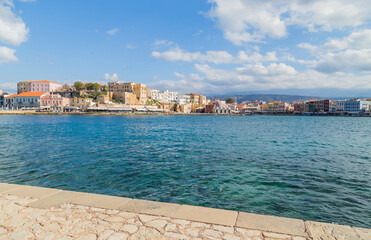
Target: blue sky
{"type": "Point", "coordinates": [210, 47]}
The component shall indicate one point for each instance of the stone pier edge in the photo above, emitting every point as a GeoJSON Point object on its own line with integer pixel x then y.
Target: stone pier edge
{"type": "Point", "coordinates": [50, 197]}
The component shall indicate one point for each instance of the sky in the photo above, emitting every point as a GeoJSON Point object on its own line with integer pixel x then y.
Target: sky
{"type": "Point", "coordinates": [211, 47]}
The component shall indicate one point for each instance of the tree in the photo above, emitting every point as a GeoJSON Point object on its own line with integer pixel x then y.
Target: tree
{"type": "Point", "coordinates": [229, 100]}
{"type": "Point", "coordinates": [79, 86]}
{"type": "Point", "coordinates": [89, 86]}
{"type": "Point", "coordinates": [105, 88]}
{"type": "Point", "coordinates": [96, 87]}
{"type": "Point", "coordinates": [66, 87]}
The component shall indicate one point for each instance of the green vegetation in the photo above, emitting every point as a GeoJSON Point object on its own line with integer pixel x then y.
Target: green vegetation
{"type": "Point", "coordinates": [79, 86]}
{"type": "Point", "coordinates": [96, 87]}
{"type": "Point", "coordinates": [229, 100]}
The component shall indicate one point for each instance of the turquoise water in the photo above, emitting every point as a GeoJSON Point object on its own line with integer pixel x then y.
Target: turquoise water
{"type": "Point", "coordinates": [313, 168]}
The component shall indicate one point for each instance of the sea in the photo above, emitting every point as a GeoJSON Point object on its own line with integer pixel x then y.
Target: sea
{"type": "Point", "coordinates": [306, 167]}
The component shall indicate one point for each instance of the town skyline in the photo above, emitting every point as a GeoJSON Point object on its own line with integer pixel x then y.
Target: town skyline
{"type": "Point", "coordinates": [211, 47]}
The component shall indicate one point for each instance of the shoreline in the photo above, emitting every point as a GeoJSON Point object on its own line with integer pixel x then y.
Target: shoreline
{"type": "Point", "coordinates": [166, 114]}
{"type": "Point", "coordinates": [28, 202]}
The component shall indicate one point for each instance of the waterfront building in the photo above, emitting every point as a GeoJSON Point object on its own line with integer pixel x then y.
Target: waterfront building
{"type": "Point", "coordinates": [3, 95]}
{"type": "Point", "coordinates": [170, 97]}
{"type": "Point", "coordinates": [186, 108]}
{"type": "Point", "coordinates": [340, 105]}
{"type": "Point", "coordinates": [79, 103]}
{"type": "Point", "coordinates": [197, 99]}
{"type": "Point", "coordinates": [209, 108]}
{"type": "Point", "coordinates": [1, 91]}
{"type": "Point", "coordinates": [298, 106]}
{"type": "Point", "coordinates": [38, 86]}
{"type": "Point", "coordinates": [251, 107]}
{"type": "Point", "coordinates": [120, 90]}
{"type": "Point", "coordinates": [53, 102]}
{"type": "Point", "coordinates": [284, 107]}
{"type": "Point", "coordinates": [184, 99]}
{"type": "Point", "coordinates": [154, 94]}
{"type": "Point", "coordinates": [273, 106]}
{"type": "Point", "coordinates": [319, 105]}
{"type": "Point", "coordinates": [24, 100]}
{"type": "Point", "coordinates": [356, 105]}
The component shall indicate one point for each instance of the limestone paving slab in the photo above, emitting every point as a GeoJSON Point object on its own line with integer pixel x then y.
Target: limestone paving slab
{"type": "Point", "coordinates": [5, 187]}
{"type": "Point", "coordinates": [75, 215]}
{"type": "Point", "coordinates": [151, 207]}
{"type": "Point", "coordinates": [33, 192]}
{"type": "Point", "coordinates": [363, 233]}
{"type": "Point", "coordinates": [207, 215]}
{"type": "Point", "coordinates": [271, 224]}
{"type": "Point", "coordinates": [100, 201]}
{"type": "Point", "coordinates": [56, 199]}
{"type": "Point", "coordinates": [317, 230]}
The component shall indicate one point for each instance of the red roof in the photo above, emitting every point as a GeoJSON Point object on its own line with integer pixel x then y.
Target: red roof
{"type": "Point", "coordinates": [43, 81]}
{"type": "Point", "coordinates": [30, 94]}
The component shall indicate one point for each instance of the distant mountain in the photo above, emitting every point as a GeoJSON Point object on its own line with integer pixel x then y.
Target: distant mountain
{"type": "Point", "coordinates": [265, 97]}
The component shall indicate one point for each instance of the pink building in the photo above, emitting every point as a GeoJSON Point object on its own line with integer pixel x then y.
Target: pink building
{"type": "Point", "coordinates": [38, 86]}
{"type": "Point", "coordinates": [54, 102]}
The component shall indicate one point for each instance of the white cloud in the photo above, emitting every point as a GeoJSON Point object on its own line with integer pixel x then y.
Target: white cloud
{"type": "Point", "coordinates": [356, 40]}
{"type": "Point", "coordinates": [250, 20]}
{"type": "Point", "coordinates": [163, 42]}
{"type": "Point", "coordinates": [216, 57]}
{"type": "Point", "coordinates": [129, 46]}
{"type": "Point", "coordinates": [112, 31]}
{"type": "Point", "coordinates": [9, 86]}
{"type": "Point", "coordinates": [359, 60]}
{"type": "Point", "coordinates": [255, 77]}
{"type": "Point", "coordinates": [114, 77]}
{"type": "Point", "coordinates": [12, 28]}
{"type": "Point", "coordinates": [351, 53]}
{"type": "Point", "coordinates": [7, 55]}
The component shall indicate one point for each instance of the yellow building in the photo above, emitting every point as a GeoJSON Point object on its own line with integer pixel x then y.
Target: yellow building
{"type": "Point", "coordinates": [273, 106]}
{"type": "Point", "coordinates": [119, 90]}
{"type": "Point", "coordinates": [140, 91]}
{"type": "Point", "coordinates": [81, 103]}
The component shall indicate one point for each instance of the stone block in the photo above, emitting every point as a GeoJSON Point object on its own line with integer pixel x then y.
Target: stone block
{"type": "Point", "coordinates": [55, 199]}
{"type": "Point", "coordinates": [150, 207]}
{"type": "Point", "coordinates": [33, 192]}
{"type": "Point", "coordinates": [319, 231]}
{"type": "Point", "coordinates": [271, 224]}
{"type": "Point", "coordinates": [207, 215]}
{"type": "Point", "coordinates": [100, 201]}
{"type": "Point", "coordinates": [5, 187]}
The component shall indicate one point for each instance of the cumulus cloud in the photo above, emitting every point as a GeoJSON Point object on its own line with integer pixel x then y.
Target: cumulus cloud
{"type": "Point", "coordinates": [113, 78]}
{"type": "Point", "coordinates": [216, 57]}
{"type": "Point", "coordinates": [12, 28]}
{"type": "Point", "coordinates": [338, 55]}
{"type": "Point", "coordinates": [359, 60]}
{"type": "Point", "coordinates": [7, 55]}
{"type": "Point", "coordinates": [249, 20]}
{"type": "Point", "coordinates": [210, 80]}
{"type": "Point", "coordinates": [112, 31]}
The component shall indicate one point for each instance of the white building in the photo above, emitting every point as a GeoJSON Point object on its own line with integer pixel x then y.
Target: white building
{"type": "Point", "coordinates": [154, 94]}
{"type": "Point", "coordinates": [3, 95]}
{"type": "Point", "coordinates": [340, 105]}
{"type": "Point", "coordinates": [184, 99]}
{"type": "Point", "coordinates": [170, 97]}
{"type": "Point", "coordinates": [356, 105]}
{"type": "Point", "coordinates": [164, 96]}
